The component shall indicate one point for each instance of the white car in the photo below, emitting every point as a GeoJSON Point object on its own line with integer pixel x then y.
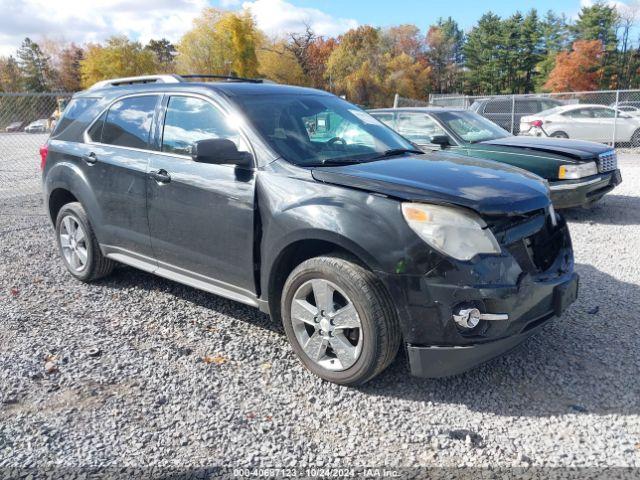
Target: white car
{"type": "Point", "coordinates": [583, 122]}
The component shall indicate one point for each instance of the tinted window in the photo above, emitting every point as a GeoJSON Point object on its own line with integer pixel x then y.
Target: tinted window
{"type": "Point", "coordinates": [418, 127]}
{"type": "Point", "coordinates": [128, 122]}
{"type": "Point", "coordinates": [191, 119]}
{"type": "Point", "coordinates": [75, 108]}
{"type": "Point", "coordinates": [498, 106]}
{"type": "Point", "coordinates": [95, 132]}
{"type": "Point", "coordinates": [526, 106]}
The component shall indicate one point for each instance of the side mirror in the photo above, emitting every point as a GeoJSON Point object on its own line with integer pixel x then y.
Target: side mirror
{"type": "Point", "coordinates": [442, 140]}
{"type": "Point", "coordinates": [219, 151]}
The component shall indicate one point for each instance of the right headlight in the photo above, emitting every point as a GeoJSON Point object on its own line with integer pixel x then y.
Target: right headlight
{"type": "Point", "coordinates": [577, 170]}
{"type": "Point", "coordinates": [458, 233]}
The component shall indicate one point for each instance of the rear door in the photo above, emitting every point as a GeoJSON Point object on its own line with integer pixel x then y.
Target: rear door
{"type": "Point", "coordinates": [115, 158]}
{"type": "Point", "coordinates": [201, 216]}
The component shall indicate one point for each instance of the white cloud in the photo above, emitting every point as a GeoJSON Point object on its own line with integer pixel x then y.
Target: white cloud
{"type": "Point", "coordinates": [277, 18]}
{"type": "Point", "coordinates": [93, 21]}
{"type": "Point", "coordinates": [96, 20]}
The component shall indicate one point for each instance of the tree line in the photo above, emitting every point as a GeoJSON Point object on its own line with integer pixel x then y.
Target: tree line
{"type": "Point", "coordinates": [522, 53]}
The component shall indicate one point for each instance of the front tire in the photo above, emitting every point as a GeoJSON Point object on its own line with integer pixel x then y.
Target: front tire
{"type": "Point", "coordinates": [559, 135]}
{"type": "Point", "coordinates": [339, 320]}
{"type": "Point", "coordinates": [78, 245]}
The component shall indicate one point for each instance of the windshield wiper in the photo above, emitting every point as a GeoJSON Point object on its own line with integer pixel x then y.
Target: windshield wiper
{"type": "Point", "coordinates": [397, 151]}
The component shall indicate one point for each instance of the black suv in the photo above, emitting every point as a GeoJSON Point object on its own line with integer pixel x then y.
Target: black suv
{"type": "Point", "coordinates": [297, 202]}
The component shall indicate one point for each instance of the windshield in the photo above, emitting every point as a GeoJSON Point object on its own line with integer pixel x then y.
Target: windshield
{"type": "Point", "coordinates": [470, 126]}
{"type": "Point", "coordinates": [311, 130]}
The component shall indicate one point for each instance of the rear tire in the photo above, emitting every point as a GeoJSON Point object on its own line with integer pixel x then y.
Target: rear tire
{"type": "Point", "coordinates": [78, 245]}
{"type": "Point", "coordinates": [350, 303]}
{"type": "Point", "coordinates": [559, 135]}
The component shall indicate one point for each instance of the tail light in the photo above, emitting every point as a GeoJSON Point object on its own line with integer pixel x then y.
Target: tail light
{"type": "Point", "coordinates": [44, 151]}
{"type": "Point", "coordinates": [536, 123]}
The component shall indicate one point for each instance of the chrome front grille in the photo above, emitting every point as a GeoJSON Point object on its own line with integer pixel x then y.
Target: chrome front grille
{"type": "Point", "coordinates": [607, 161]}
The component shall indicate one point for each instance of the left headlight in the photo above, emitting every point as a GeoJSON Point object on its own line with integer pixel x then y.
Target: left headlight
{"type": "Point", "coordinates": [458, 233]}
{"type": "Point", "coordinates": [578, 170]}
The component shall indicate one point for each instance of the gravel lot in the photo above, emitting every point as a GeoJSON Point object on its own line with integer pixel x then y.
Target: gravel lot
{"type": "Point", "coordinates": [128, 384]}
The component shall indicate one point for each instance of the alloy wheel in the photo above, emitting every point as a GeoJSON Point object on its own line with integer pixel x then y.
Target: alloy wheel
{"type": "Point", "coordinates": [326, 325]}
{"type": "Point", "coordinates": [73, 241]}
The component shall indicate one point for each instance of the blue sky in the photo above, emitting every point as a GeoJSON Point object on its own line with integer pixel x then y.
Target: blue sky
{"type": "Point", "coordinates": [423, 13]}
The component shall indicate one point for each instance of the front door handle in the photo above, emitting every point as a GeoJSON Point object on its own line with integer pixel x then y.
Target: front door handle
{"type": "Point", "coordinates": [90, 159]}
{"type": "Point", "coordinates": [161, 176]}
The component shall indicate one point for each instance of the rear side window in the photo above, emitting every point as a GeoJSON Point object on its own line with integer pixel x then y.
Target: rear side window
{"type": "Point", "coordinates": [128, 122]}
{"type": "Point", "coordinates": [580, 113]}
{"type": "Point", "coordinates": [498, 106]}
{"type": "Point", "coordinates": [526, 106]}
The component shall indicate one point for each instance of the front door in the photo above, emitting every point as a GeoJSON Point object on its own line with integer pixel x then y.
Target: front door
{"type": "Point", "coordinates": [201, 216]}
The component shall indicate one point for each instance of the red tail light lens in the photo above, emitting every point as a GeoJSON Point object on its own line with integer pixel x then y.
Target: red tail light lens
{"type": "Point", "coordinates": [536, 123]}
{"type": "Point", "coordinates": [44, 151]}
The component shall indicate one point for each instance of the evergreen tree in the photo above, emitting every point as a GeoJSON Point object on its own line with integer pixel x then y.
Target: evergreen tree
{"type": "Point", "coordinates": [35, 68]}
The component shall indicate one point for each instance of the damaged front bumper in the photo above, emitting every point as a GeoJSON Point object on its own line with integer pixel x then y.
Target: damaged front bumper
{"type": "Point", "coordinates": [518, 292]}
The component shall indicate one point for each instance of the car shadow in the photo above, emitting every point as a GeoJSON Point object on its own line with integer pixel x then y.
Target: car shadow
{"type": "Point", "coordinates": [584, 362]}
{"type": "Point", "coordinates": [125, 277]}
{"type": "Point", "coordinates": [611, 210]}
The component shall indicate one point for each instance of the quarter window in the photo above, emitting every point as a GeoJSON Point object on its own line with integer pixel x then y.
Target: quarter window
{"type": "Point", "coordinates": [190, 119]}
{"type": "Point", "coordinates": [128, 122]}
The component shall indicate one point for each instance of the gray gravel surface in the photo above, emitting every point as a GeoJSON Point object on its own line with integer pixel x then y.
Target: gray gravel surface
{"type": "Point", "coordinates": [135, 370]}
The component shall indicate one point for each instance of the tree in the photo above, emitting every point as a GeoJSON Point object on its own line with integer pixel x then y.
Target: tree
{"type": "Point", "coordinates": [35, 69]}
{"type": "Point", "coordinates": [10, 78]}
{"type": "Point", "coordinates": [279, 64]}
{"type": "Point", "coordinates": [318, 56]}
{"type": "Point", "coordinates": [69, 74]}
{"type": "Point", "coordinates": [164, 52]}
{"type": "Point", "coordinates": [555, 38]}
{"type": "Point", "coordinates": [404, 39]}
{"type": "Point", "coordinates": [482, 55]}
{"type": "Point", "coordinates": [577, 70]}
{"type": "Point", "coordinates": [119, 57]}
{"type": "Point", "coordinates": [599, 22]}
{"type": "Point", "coordinates": [221, 43]}
{"type": "Point", "coordinates": [356, 66]}
{"type": "Point", "coordinates": [444, 48]}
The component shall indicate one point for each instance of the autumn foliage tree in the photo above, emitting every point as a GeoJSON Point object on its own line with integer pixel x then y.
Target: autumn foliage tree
{"type": "Point", "coordinates": [578, 69]}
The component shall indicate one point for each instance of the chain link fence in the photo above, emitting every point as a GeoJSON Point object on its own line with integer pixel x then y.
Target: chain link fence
{"type": "Point", "coordinates": [611, 117]}
{"type": "Point", "coordinates": [26, 120]}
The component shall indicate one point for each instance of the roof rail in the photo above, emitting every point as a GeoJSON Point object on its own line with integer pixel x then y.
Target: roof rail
{"type": "Point", "coordinates": [229, 78]}
{"type": "Point", "coordinates": [116, 82]}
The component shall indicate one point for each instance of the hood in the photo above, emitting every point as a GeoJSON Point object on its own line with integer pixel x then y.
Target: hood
{"type": "Point", "coordinates": [576, 149]}
{"type": "Point", "coordinates": [487, 187]}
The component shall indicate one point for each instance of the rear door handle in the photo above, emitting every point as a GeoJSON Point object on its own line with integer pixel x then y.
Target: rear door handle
{"type": "Point", "coordinates": [90, 159]}
{"type": "Point", "coordinates": [161, 176]}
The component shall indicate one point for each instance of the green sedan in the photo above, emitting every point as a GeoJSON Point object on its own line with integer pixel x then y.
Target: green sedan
{"type": "Point", "coordinates": [579, 173]}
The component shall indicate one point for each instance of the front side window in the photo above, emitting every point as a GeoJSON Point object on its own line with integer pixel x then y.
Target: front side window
{"type": "Point", "coordinates": [418, 127]}
{"type": "Point", "coordinates": [471, 127]}
{"type": "Point", "coordinates": [319, 129]}
{"type": "Point", "coordinates": [189, 120]}
{"type": "Point", "coordinates": [128, 122]}
{"type": "Point", "coordinates": [498, 106]}
{"type": "Point", "coordinates": [386, 118]}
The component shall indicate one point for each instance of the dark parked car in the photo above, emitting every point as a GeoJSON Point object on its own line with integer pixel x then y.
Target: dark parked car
{"type": "Point", "coordinates": [14, 127]}
{"type": "Point", "coordinates": [579, 173]}
{"type": "Point", "coordinates": [358, 244]}
{"type": "Point", "coordinates": [505, 111]}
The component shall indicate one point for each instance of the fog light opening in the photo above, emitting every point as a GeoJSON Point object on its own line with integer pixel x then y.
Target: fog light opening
{"type": "Point", "coordinates": [467, 317]}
